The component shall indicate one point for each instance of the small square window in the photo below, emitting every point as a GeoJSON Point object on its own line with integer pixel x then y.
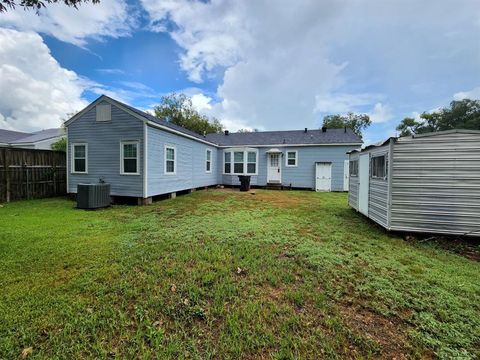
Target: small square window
{"type": "Point", "coordinates": [291, 158]}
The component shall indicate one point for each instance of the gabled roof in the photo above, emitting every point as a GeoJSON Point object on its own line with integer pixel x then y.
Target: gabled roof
{"type": "Point", "coordinates": [142, 115]}
{"type": "Point", "coordinates": [8, 136]}
{"type": "Point", "coordinates": [40, 136]}
{"type": "Point", "coordinates": [289, 137]}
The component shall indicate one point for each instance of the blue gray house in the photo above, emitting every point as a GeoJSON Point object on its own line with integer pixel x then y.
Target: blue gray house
{"type": "Point", "coordinates": [142, 156]}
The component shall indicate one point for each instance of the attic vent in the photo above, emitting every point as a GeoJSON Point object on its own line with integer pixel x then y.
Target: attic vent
{"type": "Point", "coordinates": [104, 112]}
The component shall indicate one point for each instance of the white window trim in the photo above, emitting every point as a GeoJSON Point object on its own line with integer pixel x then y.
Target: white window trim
{"type": "Point", "coordinates": [72, 158]}
{"type": "Point", "coordinates": [245, 161]}
{"type": "Point", "coordinates": [210, 161]}
{"type": "Point", "coordinates": [136, 142]}
{"type": "Point", "coordinates": [296, 158]}
{"type": "Point", "coordinates": [385, 170]}
{"type": "Point", "coordinates": [174, 159]}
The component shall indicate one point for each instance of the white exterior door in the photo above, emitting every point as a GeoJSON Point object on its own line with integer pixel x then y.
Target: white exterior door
{"type": "Point", "coordinates": [323, 181]}
{"type": "Point", "coordinates": [364, 183]}
{"type": "Point", "coordinates": [274, 171]}
{"type": "Point", "coordinates": [346, 174]}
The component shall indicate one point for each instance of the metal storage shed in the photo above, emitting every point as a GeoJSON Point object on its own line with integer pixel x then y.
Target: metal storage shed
{"type": "Point", "coordinates": [422, 183]}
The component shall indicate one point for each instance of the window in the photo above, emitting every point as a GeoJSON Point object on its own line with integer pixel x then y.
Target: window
{"type": "Point", "coordinates": [353, 168]}
{"type": "Point", "coordinates": [251, 162]}
{"type": "Point", "coordinates": [129, 158]}
{"type": "Point", "coordinates": [208, 161]}
{"type": "Point", "coordinates": [238, 158]}
{"type": "Point", "coordinates": [227, 168]}
{"type": "Point", "coordinates": [79, 158]}
{"type": "Point", "coordinates": [291, 158]}
{"type": "Point", "coordinates": [170, 160]}
{"type": "Point", "coordinates": [240, 161]}
{"type": "Point", "coordinates": [104, 112]}
{"type": "Point", "coordinates": [379, 167]}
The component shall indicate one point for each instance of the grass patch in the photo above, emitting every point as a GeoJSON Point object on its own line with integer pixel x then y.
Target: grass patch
{"type": "Point", "coordinates": [227, 275]}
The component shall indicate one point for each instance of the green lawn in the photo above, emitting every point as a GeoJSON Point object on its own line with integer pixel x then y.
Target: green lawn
{"type": "Point", "coordinates": [218, 274]}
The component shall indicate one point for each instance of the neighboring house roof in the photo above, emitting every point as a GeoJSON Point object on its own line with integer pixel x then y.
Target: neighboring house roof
{"type": "Point", "coordinates": [8, 136]}
{"type": "Point", "coordinates": [40, 136]}
{"type": "Point", "coordinates": [290, 137]}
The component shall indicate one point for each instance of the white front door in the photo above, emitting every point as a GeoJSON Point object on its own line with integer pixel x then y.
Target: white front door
{"type": "Point", "coordinates": [323, 177]}
{"type": "Point", "coordinates": [363, 179]}
{"type": "Point", "coordinates": [346, 174]}
{"type": "Point", "coordinates": [274, 171]}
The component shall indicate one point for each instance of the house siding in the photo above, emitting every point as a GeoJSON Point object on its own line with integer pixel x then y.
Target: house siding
{"type": "Point", "coordinates": [103, 139]}
{"type": "Point", "coordinates": [302, 175]}
{"type": "Point", "coordinates": [436, 186]}
{"type": "Point", "coordinates": [190, 163]}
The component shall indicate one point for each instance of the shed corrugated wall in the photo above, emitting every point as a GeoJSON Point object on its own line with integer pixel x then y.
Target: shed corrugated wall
{"type": "Point", "coordinates": [378, 193]}
{"type": "Point", "coordinates": [436, 184]}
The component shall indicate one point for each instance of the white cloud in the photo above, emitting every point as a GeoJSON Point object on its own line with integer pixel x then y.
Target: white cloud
{"type": "Point", "coordinates": [201, 102]}
{"type": "Point", "coordinates": [284, 63]}
{"type": "Point", "coordinates": [109, 18]}
{"type": "Point", "coordinates": [381, 113]}
{"type": "Point", "coordinates": [37, 93]}
{"type": "Point", "coordinates": [473, 94]}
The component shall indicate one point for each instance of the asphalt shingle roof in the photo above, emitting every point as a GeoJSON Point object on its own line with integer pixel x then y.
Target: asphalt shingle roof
{"type": "Point", "coordinates": [8, 136]}
{"type": "Point", "coordinates": [290, 137]}
{"type": "Point", "coordinates": [40, 135]}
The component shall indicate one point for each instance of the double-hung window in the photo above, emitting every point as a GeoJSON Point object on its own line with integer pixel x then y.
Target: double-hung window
{"type": "Point", "coordinates": [208, 161]}
{"type": "Point", "coordinates": [80, 158]}
{"type": "Point", "coordinates": [240, 161]}
{"type": "Point", "coordinates": [129, 164]}
{"type": "Point", "coordinates": [170, 160]}
{"type": "Point", "coordinates": [291, 158]}
{"type": "Point", "coordinates": [379, 167]}
{"type": "Point", "coordinates": [251, 162]}
{"type": "Point", "coordinates": [227, 161]}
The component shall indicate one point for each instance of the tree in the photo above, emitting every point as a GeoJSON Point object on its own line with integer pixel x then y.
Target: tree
{"type": "Point", "coordinates": [38, 4]}
{"type": "Point", "coordinates": [60, 145]}
{"type": "Point", "coordinates": [178, 109]}
{"type": "Point", "coordinates": [356, 122]}
{"type": "Point", "coordinates": [463, 114]}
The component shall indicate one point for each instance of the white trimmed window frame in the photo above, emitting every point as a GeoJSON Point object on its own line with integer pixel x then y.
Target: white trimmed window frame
{"type": "Point", "coordinates": [296, 158]}
{"type": "Point", "coordinates": [174, 159]}
{"type": "Point", "coordinates": [122, 157]}
{"type": "Point", "coordinates": [72, 158]}
{"type": "Point", "coordinates": [208, 162]}
{"type": "Point", "coordinates": [245, 161]}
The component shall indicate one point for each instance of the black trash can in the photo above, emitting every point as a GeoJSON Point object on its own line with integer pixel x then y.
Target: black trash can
{"type": "Point", "coordinates": [244, 182]}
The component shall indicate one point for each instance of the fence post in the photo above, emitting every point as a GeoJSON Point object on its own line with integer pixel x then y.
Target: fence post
{"type": "Point", "coordinates": [7, 174]}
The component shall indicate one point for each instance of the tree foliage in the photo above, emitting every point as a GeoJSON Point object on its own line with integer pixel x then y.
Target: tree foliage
{"type": "Point", "coordinates": [356, 122]}
{"type": "Point", "coordinates": [178, 109]}
{"type": "Point", "coordinates": [60, 145]}
{"type": "Point", "coordinates": [464, 114]}
{"type": "Point", "coordinates": [38, 4]}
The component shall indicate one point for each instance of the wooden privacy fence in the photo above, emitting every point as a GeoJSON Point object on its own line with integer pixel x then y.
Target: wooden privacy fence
{"type": "Point", "coordinates": [29, 174]}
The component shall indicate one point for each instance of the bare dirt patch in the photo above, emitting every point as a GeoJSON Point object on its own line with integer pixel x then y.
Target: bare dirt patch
{"type": "Point", "coordinates": [387, 333]}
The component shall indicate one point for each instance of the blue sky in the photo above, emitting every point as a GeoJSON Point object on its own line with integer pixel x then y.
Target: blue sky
{"type": "Point", "coordinates": [252, 64]}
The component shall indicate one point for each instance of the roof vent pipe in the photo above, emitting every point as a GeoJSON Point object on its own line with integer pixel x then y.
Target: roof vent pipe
{"type": "Point", "coordinates": [306, 129]}
{"type": "Point", "coordinates": [345, 129]}
{"type": "Point", "coordinates": [226, 132]}
{"type": "Point", "coordinates": [324, 129]}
